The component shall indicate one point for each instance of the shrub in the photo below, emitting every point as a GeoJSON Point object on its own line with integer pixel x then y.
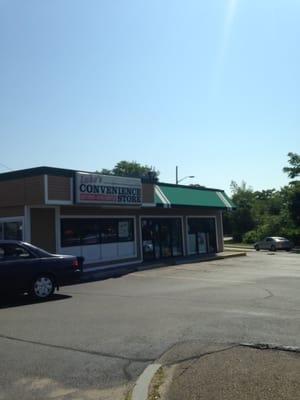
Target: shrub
{"type": "Point", "coordinates": [292, 234]}
{"type": "Point", "coordinates": [262, 231]}
{"type": "Point", "coordinates": [251, 237]}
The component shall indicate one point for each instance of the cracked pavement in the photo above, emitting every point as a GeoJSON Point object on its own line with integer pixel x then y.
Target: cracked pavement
{"type": "Point", "coordinates": [94, 339]}
{"type": "Point", "coordinates": [232, 373]}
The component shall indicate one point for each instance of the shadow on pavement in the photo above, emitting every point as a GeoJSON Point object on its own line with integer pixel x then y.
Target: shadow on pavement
{"type": "Point", "coordinates": [24, 300]}
{"type": "Point", "coordinates": [103, 275]}
{"type": "Point", "coordinates": [117, 272]}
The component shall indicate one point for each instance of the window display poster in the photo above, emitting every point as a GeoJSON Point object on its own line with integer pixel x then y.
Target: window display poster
{"type": "Point", "coordinates": [202, 246]}
{"type": "Point", "coordinates": [123, 229]}
{"type": "Point", "coordinates": [192, 244]}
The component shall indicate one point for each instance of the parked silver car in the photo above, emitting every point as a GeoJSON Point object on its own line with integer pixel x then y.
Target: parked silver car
{"type": "Point", "coordinates": [273, 243]}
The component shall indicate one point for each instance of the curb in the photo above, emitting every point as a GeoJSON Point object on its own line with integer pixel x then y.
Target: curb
{"type": "Point", "coordinates": [229, 248]}
{"type": "Point", "coordinates": [115, 272]}
{"type": "Point", "coordinates": [140, 390]}
{"type": "Point", "coordinates": [233, 255]}
{"type": "Point", "coordinates": [266, 346]}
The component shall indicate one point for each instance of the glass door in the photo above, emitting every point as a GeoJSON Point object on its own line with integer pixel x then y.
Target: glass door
{"type": "Point", "coordinates": [147, 240]}
{"type": "Point", "coordinates": [165, 239]}
{"type": "Point", "coordinates": [161, 238]}
{"type": "Point", "coordinates": [201, 235]}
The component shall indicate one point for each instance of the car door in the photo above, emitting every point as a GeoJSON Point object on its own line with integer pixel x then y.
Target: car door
{"type": "Point", "coordinates": [265, 243]}
{"type": "Point", "coordinates": [269, 243]}
{"type": "Point", "coordinates": [17, 266]}
{"type": "Point", "coordinates": [3, 283]}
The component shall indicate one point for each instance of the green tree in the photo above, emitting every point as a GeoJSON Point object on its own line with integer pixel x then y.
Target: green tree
{"type": "Point", "coordinates": [293, 170]}
{"type": "Point", "coordinates": [293, 193]}
{"type": "Point", "coordinates": [267, 202]}
{"type": "Point", "coordinates": [276, 215]}
{"type": "Point", "coordinates": [268, 212]}
{"type": "Point", "coordinates": [293, 203]}
{"type": "Point", "coordinates": [242, 219]}
{"type": "Point", "coordinates": [132, 169]}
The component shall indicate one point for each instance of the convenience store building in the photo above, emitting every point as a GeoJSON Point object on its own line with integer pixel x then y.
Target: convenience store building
{"type": "Point", "coordinates": [110, 220]}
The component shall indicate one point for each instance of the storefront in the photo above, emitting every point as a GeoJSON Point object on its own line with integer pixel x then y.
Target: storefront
{"type": "Point", "coordinates": [110, 220]}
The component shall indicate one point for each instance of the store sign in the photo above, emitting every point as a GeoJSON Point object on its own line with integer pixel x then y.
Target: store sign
{"type": "Point", "coordinates": [105, 189]}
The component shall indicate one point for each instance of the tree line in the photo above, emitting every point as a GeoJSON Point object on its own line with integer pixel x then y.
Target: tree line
{"type": "Point", "coordinates": [258, 213]}
{"type": "Point", "coordinates": [266, 212]}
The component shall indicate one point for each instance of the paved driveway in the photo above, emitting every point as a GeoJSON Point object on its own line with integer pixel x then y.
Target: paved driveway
{"type": "Point", "coordinates": [94, 339]}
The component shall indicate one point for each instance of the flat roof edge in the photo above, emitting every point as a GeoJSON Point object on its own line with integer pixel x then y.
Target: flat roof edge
{"type": "Point", "coordinates": [35, 171]}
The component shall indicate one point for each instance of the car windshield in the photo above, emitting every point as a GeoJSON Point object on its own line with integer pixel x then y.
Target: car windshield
{"type": "Point", "coordinates": [279, 238]}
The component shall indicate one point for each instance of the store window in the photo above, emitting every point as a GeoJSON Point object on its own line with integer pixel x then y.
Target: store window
{"type": "Point", "coordinates": [84, 232]}
{"type": "Point", "coordinates": [89, 233]}
{"type": "Point", "coordinates": [70, 233]}
{"type": "Point", "coordinates": [109, 231]}
{"type": "Point", "coordinates": [11, 230]}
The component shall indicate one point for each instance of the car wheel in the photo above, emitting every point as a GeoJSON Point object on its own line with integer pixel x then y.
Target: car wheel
{"type": "Point", "coordinates": [43, 287]}
{"type": "Point", "coordinates": [257, 247]}
{"type": "Point", "coordinates": [273, 248]}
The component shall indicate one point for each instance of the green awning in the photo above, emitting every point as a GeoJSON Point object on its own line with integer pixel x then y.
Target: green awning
{"type": "Point", "coordinates": [168, 195]}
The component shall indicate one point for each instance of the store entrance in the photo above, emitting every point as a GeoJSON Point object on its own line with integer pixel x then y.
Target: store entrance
{"type": "Point", "coordinates": [202, 235]}
{"type": "Point", "coordinates": [162, 238]}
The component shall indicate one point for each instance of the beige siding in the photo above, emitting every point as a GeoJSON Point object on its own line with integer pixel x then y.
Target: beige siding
{"type": "Point", "coordinates": [83, 210]}
{"type": "Point", "coordinates": [59, 188]}
{"type": "Point", "coordinates": [12, 193]}
{"type": "Point", "coordinates": [148, 193]}
{"type": "Point", "coordinates": [151, 211]}
{"type": "Point", "coordinates": [182, 211]}
{"type": "Point", "coordinates": [11, 212]}
{"type": "Point", "coordinates": [43, 228]}
{"type": "Point", "coordinates": [34, 190]}
{"type": "Point", "coordinates": [22, 191]}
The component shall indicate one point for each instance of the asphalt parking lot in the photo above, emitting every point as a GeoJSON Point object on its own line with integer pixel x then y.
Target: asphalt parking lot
{"type": "Point", "coordinates": [94, 339]}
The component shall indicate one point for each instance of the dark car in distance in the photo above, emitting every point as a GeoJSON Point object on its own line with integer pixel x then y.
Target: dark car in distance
{"type": "Point", "coordinates": [25, 268]}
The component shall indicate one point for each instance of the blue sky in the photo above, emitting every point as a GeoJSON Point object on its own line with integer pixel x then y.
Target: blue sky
{"type": "Point", "coordinates": [210, 86]}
